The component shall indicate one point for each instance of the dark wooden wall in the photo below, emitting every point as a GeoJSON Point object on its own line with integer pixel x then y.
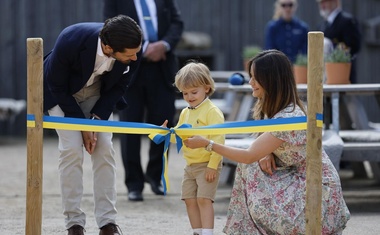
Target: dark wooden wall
{"type": "Point", "coordinates": [231, 25]}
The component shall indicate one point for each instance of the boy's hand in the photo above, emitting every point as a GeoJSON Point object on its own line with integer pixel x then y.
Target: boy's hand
{"type": "Point", "coordinates": [210, 174]}
{"type": "Point", "coordinates": [165, 124]}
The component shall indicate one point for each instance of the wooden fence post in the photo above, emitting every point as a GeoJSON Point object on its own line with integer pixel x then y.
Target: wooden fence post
{"type": "Point", "coordinates": [314, 134]}
{"type": "Point", "coordinates": [34, 136]}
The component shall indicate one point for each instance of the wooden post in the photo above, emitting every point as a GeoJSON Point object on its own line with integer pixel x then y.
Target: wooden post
{"type": "Point", "coordinates": [314, 134]}
{"type": "Point", "coordinates": [34, 136]}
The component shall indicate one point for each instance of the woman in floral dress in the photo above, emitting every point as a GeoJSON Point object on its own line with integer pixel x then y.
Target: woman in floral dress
{"type": "Point", "coordinates": [271, 200]}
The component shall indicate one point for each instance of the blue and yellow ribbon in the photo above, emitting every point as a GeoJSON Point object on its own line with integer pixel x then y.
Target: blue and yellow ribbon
{"type": "Point", "coordinates": [163, 134]}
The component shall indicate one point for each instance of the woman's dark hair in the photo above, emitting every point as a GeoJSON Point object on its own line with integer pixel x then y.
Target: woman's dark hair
{"type": "Point", "coordinates": [121, 32]}
{"type": "Point", "coordinates": [274, 72]}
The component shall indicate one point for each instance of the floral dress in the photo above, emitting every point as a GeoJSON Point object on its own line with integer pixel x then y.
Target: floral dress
{"type": "Point", "coordinates": [265, 204]}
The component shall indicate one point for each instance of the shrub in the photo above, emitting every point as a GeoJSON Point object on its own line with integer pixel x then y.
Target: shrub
{"type": "Point", "coordinates": [340, 54]}
{"type": "Point", "coordinates": [251, 51]}
{"type": "Point", "coordinates": [301, 60]}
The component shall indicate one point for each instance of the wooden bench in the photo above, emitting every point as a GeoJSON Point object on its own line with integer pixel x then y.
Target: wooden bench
{"type": "Point", "coordinates": [363, 146]}
{"type": "Point", "coordinates": [9, 108]}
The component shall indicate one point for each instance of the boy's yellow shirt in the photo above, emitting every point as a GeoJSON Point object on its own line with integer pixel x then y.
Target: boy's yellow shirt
{"type": "Point", "coordinates": [205, 114]}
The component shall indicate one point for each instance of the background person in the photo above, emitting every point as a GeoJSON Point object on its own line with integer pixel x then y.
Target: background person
{"type": "Point", "coordinates": [275, 203]}
{"type": "Point", "coordinates": [151, 96]}
{"type": "Point", "coordinates": [85, 76]}
{"type": "Point", "coordinates": [285, 32]}
{"type": "Point", "coordinates": [341, 27]}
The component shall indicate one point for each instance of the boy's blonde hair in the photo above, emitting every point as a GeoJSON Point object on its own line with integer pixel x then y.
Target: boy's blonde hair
{"type": "Point", "coordinates": [194, 74]}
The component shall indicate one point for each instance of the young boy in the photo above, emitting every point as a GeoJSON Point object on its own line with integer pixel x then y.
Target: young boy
{"type": "Point", "coordinates": [203, 166]}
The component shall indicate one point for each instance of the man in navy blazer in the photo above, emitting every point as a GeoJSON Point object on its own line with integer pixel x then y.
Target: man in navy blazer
{"type": "Point", "coordinates": [342, 27]}
{"type": "Point", "coordinates": [152, 95]}
{"type": "Point", "coordinates": [85, 76]}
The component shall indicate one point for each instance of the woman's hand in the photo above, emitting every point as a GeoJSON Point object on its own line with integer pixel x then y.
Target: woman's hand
{"type": "Point", "coordinates": [196, 141]}
{"type": "Point", "coordinates": [268, 164]}
{"type": "Point", "coordinates": [210, 174]}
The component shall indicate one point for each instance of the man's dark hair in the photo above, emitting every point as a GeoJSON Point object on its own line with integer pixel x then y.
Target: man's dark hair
{"type": "Point", "coordinates": [121, 32]}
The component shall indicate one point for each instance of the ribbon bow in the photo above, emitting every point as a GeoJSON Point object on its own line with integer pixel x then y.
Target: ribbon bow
{"type": "Point", "coordinates": [159, 138]}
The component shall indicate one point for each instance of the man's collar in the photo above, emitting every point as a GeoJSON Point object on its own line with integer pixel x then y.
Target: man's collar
{"type": "Point", "coordinates": [333, 15]}
{"type": "Point", "coordinates": [99, 50]}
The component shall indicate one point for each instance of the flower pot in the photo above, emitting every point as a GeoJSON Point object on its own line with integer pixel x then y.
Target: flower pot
{"type": "Point", "coordinates": [338, 73]}
{"type": "Point", "coordinates": [300, 74]}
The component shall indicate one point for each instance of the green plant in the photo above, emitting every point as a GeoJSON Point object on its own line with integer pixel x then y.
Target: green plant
{"type": "Point", "coordinates": [340, 54]}
{"type": "Point", "coordinates": [301, 60]}
{"type": "Point", "coordinates": [251, 51]}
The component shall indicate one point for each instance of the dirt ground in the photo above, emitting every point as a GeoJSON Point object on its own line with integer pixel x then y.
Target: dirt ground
{"type": "Point", "coordinates": [156, 214]}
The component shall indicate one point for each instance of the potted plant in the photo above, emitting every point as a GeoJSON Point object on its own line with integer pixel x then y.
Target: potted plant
{"type": "Point", "coordinates": [300, 69]}
{"type": "Point", "coordinates": [338, 65]}
{"type": "Point", "coordinates": [248, 53]}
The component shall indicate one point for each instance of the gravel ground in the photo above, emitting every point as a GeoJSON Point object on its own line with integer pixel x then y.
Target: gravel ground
{"type": "Point", "coordinates": [156, 214]}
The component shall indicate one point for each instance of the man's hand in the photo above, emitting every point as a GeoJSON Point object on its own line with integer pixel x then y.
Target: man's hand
{"type": "Point", "coordinates": [89, 140]}
{"type": "Point", "coordinates": [268, 164]}
{"type": "Point", "coordinates": [155, 51]}
{"type": "Point", "coordinates": [210, 174]}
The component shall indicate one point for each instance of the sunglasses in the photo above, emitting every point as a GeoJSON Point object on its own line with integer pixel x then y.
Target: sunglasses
{"type": "Point", "coordinates": [290, 5]}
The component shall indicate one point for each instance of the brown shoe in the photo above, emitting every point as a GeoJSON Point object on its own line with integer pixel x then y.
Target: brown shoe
{"type": "Point", "coordinates": [75, 230]}
{"type": "Point", "coordinates": [110, 229]}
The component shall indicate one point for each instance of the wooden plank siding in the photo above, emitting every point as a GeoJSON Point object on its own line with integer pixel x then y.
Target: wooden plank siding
{"type": "Point", "coordinates": [231, 25]}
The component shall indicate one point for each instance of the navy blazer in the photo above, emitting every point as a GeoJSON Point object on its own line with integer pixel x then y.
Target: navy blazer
{"type": "Point", "coordinates": [345, 28]}
{"type": "Point", "coordinates": [170, 28]}
{"type": "Point", "coordinates": [68, 67]}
